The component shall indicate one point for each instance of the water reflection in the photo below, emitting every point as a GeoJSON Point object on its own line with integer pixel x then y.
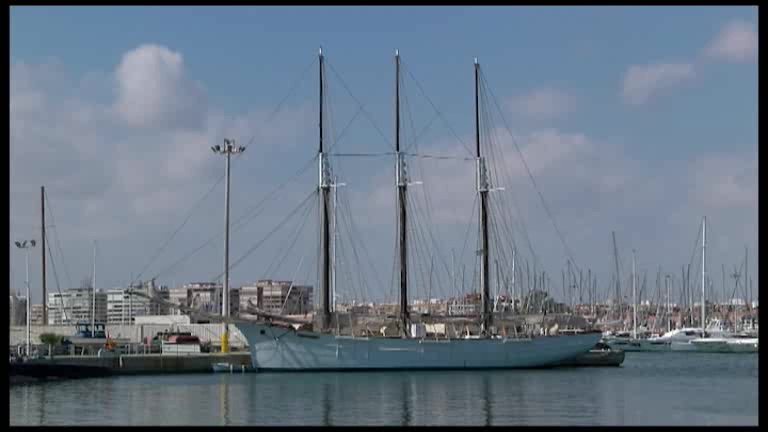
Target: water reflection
{"type": "Point", "coordinates": [326, 405]}
{"type": "Point", "coordinates": [674, 391]}
{"type": "Point", "coordinates": [42, 404]}
{"type": "Point", "coordinates": [487, 399]}
{"type": "Point", "coordinates": [406, 386]}
{"type": "Point", "coordinates": [224, 399]}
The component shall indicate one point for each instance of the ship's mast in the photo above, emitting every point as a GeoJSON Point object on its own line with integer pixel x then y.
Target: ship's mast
{"type": "Point", "coordinates": [332, 302]}
{"type": "Point", "coordinates": [401, 181]}
{"type": "Point", "coordinates": [634, 298]}
{"type": "Point", "coordinates": [703, 268]}
{"type": "Point", "coordinates": [93, 294]}
{"type": "Point", "coordinates": [42, 250]}
{"type": "Point", "coordinates": [482, 188]}
{"type": "Point", "coordinates": [618, 278]}
{"type": "Point", "coordinates": [746, 279]}
{"type": "Point", "coordinates": [324, 185]}
{"type": "Point", "coordinates": [513, 280]}
{"type": "Point", "coordinates": [669, 309]}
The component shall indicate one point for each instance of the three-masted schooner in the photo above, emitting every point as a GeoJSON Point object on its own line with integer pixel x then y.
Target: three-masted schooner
{"type": "Point", "coordinates": [280, 346]}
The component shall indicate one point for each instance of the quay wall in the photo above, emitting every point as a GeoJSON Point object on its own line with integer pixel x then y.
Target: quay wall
{"type": "Point", "coordinates": [208, 333]}
{"type": "Point", "coordinates": [133, 364]}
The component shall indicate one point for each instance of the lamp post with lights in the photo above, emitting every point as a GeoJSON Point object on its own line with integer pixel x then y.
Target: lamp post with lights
{"type": "Point", "coordinates": [227, 150]}
{"type": "Point", "coordinates": [27, 245]}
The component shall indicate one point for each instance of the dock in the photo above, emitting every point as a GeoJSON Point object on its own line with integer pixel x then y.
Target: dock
{"type": "Point", "coordinates": [66, 367]}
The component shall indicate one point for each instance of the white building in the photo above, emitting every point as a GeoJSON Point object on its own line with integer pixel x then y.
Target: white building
{"type": "Point", "coordinates": [463, 309]}
{"type": "Point", "coordinates": [732, 302]}
{"type": "Point", "coordinates": [18, 310]}
{"type": "Point", "coordinates": [37, 315]}
{"type": "Point", "coordinates": [278, 297]}
{"type": "Point", "coordinates": [75, 305]}
{"type": "Point", "coordinates": [123, 307]}
{"type": "Point", "coordinates": [163, 320]}
{"type": "Point", "coordinates": [205, 297]}
{"type": "Point", "coordinates": [178, 296]}
{"type": "Point", "coordinates": [250, 293]}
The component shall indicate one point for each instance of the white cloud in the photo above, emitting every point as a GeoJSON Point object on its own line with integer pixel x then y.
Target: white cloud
{"type": "Point", "coordinates": [153, 90]}
{"type": "Point", "coordinates": [123, 176]}
{"type": "Point", "coordinates": [642, 81]}
{"type": "Point", "coordinates": [736, 42]}
{"type": "Point", "coordinates": [722, 181]}
{"type": "Point", "coordinates": [542, 103]}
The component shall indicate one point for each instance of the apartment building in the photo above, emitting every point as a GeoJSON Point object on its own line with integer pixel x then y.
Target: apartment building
{"type": "Point", "coordinates": [75, 305]}
{"type": "Point", "coordinates": [278, 297]}
{"type": "Point", "coordinates": [123, 306]}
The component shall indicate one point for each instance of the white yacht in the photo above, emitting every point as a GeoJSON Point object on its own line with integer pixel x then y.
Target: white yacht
{"type": "Point", "coordinates": [725, 344]}
{"type": "Point", "coordinates": [742, 344]}
{"type": "Point", "coordinates": [655, 343]}
{"type": "Point", "coordinates": [717, 338]}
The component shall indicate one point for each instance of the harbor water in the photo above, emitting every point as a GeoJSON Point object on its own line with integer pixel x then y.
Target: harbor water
{"type": "Point", "coordinates": [649, 389]}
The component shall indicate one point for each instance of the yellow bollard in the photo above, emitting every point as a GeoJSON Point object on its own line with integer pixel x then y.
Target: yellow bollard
{"type": "Point", "coordinates": [225, 339]}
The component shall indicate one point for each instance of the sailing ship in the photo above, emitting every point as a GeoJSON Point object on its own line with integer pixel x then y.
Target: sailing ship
{"type": "Point", "coordinates": [279, 343]}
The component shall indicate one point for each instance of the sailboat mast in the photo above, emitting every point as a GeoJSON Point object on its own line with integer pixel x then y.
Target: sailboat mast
{"type": "Point", "coordinates": [325, 242]}
{"type": "Point", "coordinates": [669, 310]}
{"type": "Point", "coordinates": [42, 250]}
{"type": "Point", "coordinates": [332, 303]}
{"type": "Point", "coordinates": [746, 279]}
{"type": "Point", "coordinates": [589, 288]}
{"type": "Point", "coordinates": [618, 278]}
{"type": "Point", "coordinates": [93, 293]}
{"type": "Point", "coordinates": [498, 280]}
{"type": "Point", "coordinates": [513, 280]}
{"type": "Point", "coordinates": [402, 188]}
{"type": "Point", "coordinates": [453, 272]}
{"type": "Point", "coordinates": [482, 188]}
{"type": "Point", "coordinates": [634, 298]}
{"type": "Point", "coordinates": [703, 267]}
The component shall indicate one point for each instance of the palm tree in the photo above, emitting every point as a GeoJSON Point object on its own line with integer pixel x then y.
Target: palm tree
{"type": "Point", "coordinates": [50, 339]}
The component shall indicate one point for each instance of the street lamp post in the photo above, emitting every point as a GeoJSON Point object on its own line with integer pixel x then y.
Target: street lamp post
{"type": "Point", "coordinates": [227, 150]}
{"type": "Point", "coordinates": [26, 245]}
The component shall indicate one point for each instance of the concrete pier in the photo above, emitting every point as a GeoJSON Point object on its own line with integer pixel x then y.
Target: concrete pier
{"type": "Point", "coordinates": [142, 364]}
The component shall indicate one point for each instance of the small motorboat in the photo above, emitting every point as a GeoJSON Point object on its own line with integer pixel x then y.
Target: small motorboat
{"type": "Point", "coordinates": [223, 367]}
{"type": "Point", "coordinates": [600, 355]}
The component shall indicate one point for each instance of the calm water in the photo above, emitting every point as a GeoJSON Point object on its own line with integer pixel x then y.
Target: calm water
{"type": "Point", "coordinates": [650, 389]}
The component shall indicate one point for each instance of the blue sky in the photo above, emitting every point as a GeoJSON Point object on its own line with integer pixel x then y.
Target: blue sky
{"type": "Point", "coordinates": [660, 102]}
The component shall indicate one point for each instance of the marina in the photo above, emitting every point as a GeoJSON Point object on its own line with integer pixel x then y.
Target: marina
{"type": "Point", "coordinates": [357, 217]}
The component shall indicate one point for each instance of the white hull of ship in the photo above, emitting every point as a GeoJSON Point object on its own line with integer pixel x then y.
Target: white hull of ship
{"type": "Point", "coordinates": [638, 345]}
{"type": "Point", "coordinates": [282, 349]}
{"type": "Point", "coordinates": [697, 345]}
{"type": "Point", "coordinates": [719, 345]}
{"type": "Point", "coordinates": [744, 345]}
